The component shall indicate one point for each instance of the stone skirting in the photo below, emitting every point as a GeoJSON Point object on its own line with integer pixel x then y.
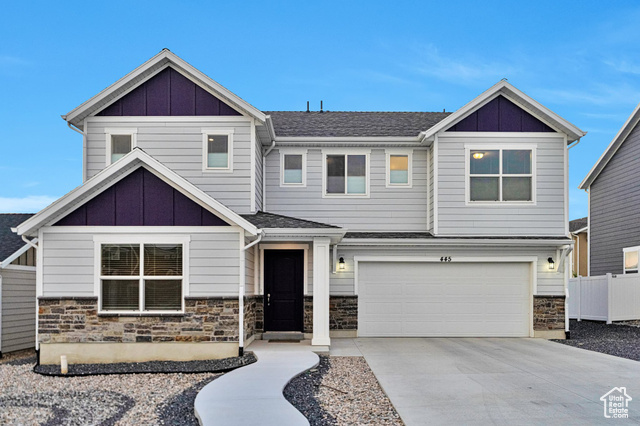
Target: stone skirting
{"type": "Point", "coordinates": [343, 313]}
{"type": "Point", "coordinates": [76, 320]}
{"type": "Point", "coordinates": [548, 313]}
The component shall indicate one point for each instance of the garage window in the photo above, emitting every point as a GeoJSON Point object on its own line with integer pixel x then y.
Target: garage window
{"type": "Point", "coordinates": [501, 175]}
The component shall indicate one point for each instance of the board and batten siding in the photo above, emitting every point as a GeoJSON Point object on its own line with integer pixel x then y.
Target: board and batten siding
{"type": "Point", "coordinates": [18, 309]}
{"type": "Point", "coordinates": [68, 264]}
{"type": "Point", "coordinates": [386, 209]}
{"type": "Point", "coordinates": [545, 218]}
{"type": "Point", "coordinates": [550, 283]}
{"type": "Point", "coordinates": [178, 145]}
{"type": "Point", "coordinates": [615, 206]}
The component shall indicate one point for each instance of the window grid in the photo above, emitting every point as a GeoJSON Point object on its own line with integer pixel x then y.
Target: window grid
{"type": "Point", "coordinates": [501, 175]}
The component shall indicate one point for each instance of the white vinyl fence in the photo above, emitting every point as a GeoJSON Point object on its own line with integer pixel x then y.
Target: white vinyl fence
{"type": "Point", "coordinates": [605, 298]}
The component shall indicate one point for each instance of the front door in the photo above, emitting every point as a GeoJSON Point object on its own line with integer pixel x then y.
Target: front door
{"type": "Point", "coordinates": [283, 290]}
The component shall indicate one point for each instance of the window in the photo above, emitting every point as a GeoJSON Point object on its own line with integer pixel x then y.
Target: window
{"type": "Point", "coordinates": [120, 142]}
{"type": "Point", "coordinates": [141, 277]}
{"type": "Point", "coordinates": [631, 255]}
{"type": "Point", "coordinates": [346, 174]}
{"type": "Point", "coordinates": [293, 170]}
{"type": "Point", "coordinates": [399, 169]}
{"type": "Point", "coordinates": [501, 175]}
{"type": "Point", "coordinates": [217, 150]}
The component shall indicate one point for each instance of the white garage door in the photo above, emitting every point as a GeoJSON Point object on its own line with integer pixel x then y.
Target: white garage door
{"type": "Point", "coordinates": [443, 299]}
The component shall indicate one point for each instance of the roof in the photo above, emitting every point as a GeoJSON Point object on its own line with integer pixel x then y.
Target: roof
{"type": "Point", "coordinates": [428, 235]}
{"type": "Point", "coordinates": [147, 70]}
{"type": "Point", "coordinates": [613, 147]}
{"type": "Point", "coordinates": [264, 220]}
{"type": "Point", "coordinates": [352, 123]}
{"type": "Point", "coordinates": [11, 242]}
{"type": "Point", "coordinates": [132, 161]}
{"type": "Point", "coordinates": [578, 224]}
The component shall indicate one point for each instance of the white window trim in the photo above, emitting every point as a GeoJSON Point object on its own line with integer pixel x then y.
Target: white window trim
{"type": "Point", "coordinates": [303, 153]}
{"type": "Point", "coordinates": [409, 154]}
{"type": "Point", "coordinates": [217, 132]}
{"type": "Point", "coordinates": [346, 152]}
{"type": "Point", "coordinates": [98, 240]}
{"type": "Point", "coordinates": [501, 147]}
{"type": "Point", "coordinates": [624, 254]}
{"type": "Point", "coordinates": [116, 131]}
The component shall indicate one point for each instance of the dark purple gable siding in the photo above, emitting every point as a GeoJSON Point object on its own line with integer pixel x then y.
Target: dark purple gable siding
{"type": "Point", "coordinates": [500, 115]}
{"type": "Point", "coordinates": [168, 93]}
{"type": "Point", "coordinates": [140, 199]}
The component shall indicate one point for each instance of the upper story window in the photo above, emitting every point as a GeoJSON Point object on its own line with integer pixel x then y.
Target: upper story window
{"type": "Point", "coordinates": [399, 174]}
{"type": "Point", "coordinates": [120, 142]}
{"type": "Point", "coordinates": [631, 255]}
{"type": "Point", "coordinates": [217, 150]}
{"type": "Point", "coordinates": [141, 277]}
{"type": "Point", "coordinates": [346, 174]}
{"type": "Point", "coordinates": [501, 175]}
{"type": "Point", "coordinates": [293, 168]}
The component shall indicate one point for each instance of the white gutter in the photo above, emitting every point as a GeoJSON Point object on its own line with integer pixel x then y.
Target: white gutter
{"type": "Point", "coordinates": [576, 142]}
{"type": "Point", "coordinates": [447, 242]}
{"type": "Point", "coordinates": [264, 174]}
{"type": "Point", "coordinates": [84, 148]}
{"type": "Point", "coordinates": [28, 241]}
{"type": "Point", "coordinates": [566, 251]}
{"type": "Point", "coordinates": [241, 290]}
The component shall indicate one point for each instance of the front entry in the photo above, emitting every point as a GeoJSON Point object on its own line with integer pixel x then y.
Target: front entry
{"type": "Point", "coordinates": [283, 290]}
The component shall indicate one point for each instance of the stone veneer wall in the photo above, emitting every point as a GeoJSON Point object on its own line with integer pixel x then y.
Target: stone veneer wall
{"type": "Point", "coordinates": [253, 316]}
{"type": "Point", "coordinates": [548, 313]}
{"type": "Point", "coordinates": [343, 313]}
{"type": "Point", "coordinates": [76, 320]}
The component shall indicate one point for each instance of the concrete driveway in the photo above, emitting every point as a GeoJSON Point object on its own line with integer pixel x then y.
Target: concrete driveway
{"type": "Point", "coordinates": [483, 381]}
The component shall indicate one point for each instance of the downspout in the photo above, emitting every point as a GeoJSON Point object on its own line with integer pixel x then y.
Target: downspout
{"type": "Point", "coordinates": [264, 175]}
{"type": "Point", "coordinates": [84, 149]}
{"type": "Point", "coordinates": [241, 291]}
{"type": "Point", "coordinates": [35, 247]}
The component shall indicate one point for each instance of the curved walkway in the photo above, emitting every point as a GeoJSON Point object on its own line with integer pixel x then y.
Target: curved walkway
{"type": "Point", "coordinates": [252, 395]}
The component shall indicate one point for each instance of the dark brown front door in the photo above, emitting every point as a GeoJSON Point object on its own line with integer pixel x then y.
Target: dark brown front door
{"type": "Point", "coordinates": [283, 290]}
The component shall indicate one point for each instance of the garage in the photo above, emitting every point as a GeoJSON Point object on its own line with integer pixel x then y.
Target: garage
{"type": "Point", "coordinates": [424, 299]}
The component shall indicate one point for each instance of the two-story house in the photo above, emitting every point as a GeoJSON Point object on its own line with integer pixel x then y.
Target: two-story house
{"type": "Point", "coordinates": [203, 222]}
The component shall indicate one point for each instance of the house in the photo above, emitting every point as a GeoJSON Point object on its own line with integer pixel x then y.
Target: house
{"type": "Point", "coordinates": [613, 238]}
{"type": "Point", "coordinates": [17, 287]}
{"type": "Point", "coordinates": [204, 223]}
{"type": "Point", "coordinates": [579, 230]}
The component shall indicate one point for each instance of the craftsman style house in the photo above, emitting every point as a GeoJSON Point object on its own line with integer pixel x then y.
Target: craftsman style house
{"type": "Point", "coordinates": [204, 223]}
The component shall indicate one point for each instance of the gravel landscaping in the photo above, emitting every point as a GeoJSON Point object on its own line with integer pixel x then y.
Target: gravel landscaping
{"type": "Point", "coordinates": [341, 391]}
{"type": "Point", "coordinates": [614, 339]}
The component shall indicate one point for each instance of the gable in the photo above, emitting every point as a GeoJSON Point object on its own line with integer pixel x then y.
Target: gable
{"type": "Point", "coordinates": [140, 199]}
{"type": "Point", "coordinates": [168, 93]}
{"type": "Point", "coordinates": [500, 115]}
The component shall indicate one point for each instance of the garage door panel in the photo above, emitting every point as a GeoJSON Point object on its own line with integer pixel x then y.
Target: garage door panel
{"type": "Point", "coordinates": [443, 299]}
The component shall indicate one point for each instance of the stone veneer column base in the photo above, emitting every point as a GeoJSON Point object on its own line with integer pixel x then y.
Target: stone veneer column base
{"type": "Point", "coordinates": [549, 317]}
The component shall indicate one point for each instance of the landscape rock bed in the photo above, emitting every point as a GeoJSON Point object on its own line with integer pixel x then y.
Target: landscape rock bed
{"type": "Point", "coordinates": [613, 339]}
{"type": "Point", "coordinates": [152, 367]}
{"type": "Point", "coordinates": [341, 391]}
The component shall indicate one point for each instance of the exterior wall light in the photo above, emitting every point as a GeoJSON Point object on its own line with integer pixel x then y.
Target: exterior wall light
{"type": "Point", "coordinates": [478, 155]}
{"type": "Point", "coordinates": [341, 264]}
{"type": "Point", "coordinates": [552, 264]}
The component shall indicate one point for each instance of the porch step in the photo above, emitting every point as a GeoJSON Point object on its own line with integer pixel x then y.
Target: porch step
{"type": "Point", "coordinates": [283, 336]}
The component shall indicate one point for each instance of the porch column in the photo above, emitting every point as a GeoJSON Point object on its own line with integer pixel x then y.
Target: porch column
{"type": "Point", "coordinates": [321, 269]}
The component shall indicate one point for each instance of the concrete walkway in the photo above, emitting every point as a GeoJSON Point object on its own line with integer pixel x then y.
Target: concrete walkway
{"type": "Point", "coordinates": [252, 395]}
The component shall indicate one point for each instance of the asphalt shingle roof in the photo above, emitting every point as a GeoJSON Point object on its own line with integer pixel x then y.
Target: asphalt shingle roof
{"type": "Point", "coordinates": [10, 242]}
{"type": "Point", "coordinates": [350, 123]}
{"type": "Point", "coordinates": [576, 224]}
{"type": "Point", "coordinates": [264, 220]}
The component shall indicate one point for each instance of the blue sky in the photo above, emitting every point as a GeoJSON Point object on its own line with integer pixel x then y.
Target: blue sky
{"type": "Point", "coordinates": [581, 59]}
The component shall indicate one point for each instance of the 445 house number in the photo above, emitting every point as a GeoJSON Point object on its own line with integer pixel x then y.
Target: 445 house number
{"type": "Point", "coordinates": [445, 259]}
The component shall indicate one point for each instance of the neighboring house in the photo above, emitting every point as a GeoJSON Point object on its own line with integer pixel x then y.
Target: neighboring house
{"type": "Point", "coordinates": [17, 287]}
{"type": "Point", "coordinates": [580, 256]}
{"type": "Point", "coordinates": [614, 203]}
{"type": "Point", "coordinates": [378, 223]}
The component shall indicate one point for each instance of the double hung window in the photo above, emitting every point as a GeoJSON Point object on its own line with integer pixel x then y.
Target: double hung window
{"type": "Point", "coordinates": [501, 175]}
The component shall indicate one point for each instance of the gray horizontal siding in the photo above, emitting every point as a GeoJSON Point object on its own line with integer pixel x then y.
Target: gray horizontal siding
{"type": "Point", "coordinates": [68, 268]}
{"type": "Point", "coordinates": [430, 224]}
{"type": "Point", "coordinates": [258, 167]}
{"type": "Point", "coordinates": [615, 208]}
{"type": "Point", "coordinates": [178, 145]}
{"type": "Point", "coordinates": [546, 217]}
{"type": "Point", "coordinates": [249, 267]}
{"type": "Point", "coordinates": [18, 309]}
{"type": "Point", "coordinates": [387, 209]}
{"type": "Point", "coordinates": [549, 283]}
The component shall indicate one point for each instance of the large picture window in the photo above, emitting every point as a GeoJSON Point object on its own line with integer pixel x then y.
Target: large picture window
{"type": "Point", "coordinates": [346, 174]}
{"type": "Point", "coordinates": [141, 277]}
{"type": "Point", "coordinates": [501, 175]}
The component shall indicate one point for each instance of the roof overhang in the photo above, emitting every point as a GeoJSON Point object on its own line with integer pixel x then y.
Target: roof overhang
{"type": "Point", "coordinates": [6, 262]}
{"type": "Point", "coordinates": [580, 231]}
{"type": "Point", "coordinates": [519, 98]}
{"type": "Point", "coordinates": [117, 171]}
{"type": "Point", "coordinates": [147, 70]}
{"type": "Point", "coordinates": [302, 234]}
{"type": "Point", "coordinates": [480, 242]}
{"type": "Point", "coordinates": [613, 147]}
